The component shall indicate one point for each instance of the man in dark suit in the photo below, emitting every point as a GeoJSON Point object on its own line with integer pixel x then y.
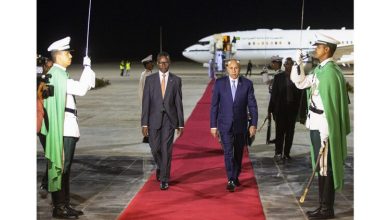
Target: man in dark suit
{"type": "Point", "coordinates": [284, 105]}
{"type": "Point", "coordinates": [162, 113]}
{"type": "Point", "coordinates": [232, 97]}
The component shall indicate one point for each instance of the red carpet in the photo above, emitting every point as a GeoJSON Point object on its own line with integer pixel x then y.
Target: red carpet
{"type": "Point", "coordinates": [197, 189]}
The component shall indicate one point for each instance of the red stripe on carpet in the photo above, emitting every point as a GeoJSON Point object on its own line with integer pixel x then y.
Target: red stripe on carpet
{"type": "Point", "coordinates": [197, 189]}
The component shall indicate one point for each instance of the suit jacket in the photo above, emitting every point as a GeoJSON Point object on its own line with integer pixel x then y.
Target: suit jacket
{"type": "Point", "coordinates": [227, 115]}
{"type": "Point", "coordinates": [153, 105]}
{"type": "Point", "coordinates": [279, 103]}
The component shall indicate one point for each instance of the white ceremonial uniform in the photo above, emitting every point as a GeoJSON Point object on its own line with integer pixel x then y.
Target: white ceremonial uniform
{"type": "Point", "coordinates": [314, 121]}
{"type": "Point", "coordinates": [141, 86]}
{"type": "Point", "coordinates": [79, 88]}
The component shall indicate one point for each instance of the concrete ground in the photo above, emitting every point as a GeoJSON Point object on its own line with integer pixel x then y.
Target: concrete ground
{"type": "Point", "coordinates": [111, 164]}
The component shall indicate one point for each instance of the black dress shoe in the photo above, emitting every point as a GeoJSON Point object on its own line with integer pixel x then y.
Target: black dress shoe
{"type": "Point", "coordinates": [287, 157]}
{"type": "Point", "coordinates": [323, 214]}
{"type": "Point", "coordinates": [158, 175]}
{"type": "Point", "coordinates": [164, 186]}
{"type": "Point", "coordinates": [145, 139]}
{"type": "Point", "coordinates": [314, 212]}
{"type": "Point", "coordinates": [237, 182]}
{"type": "Point", "coordinates": [230, 186]}
{"type": "Point", "coordinates": [278, 158]}
{"type": "Point", "coordinates": [78, 212]}
{"type": "Point", "coordinates": [63, 212]}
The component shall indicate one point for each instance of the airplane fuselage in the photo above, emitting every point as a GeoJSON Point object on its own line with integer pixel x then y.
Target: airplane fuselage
{"type": "Point", "coordinates": [261, 44]}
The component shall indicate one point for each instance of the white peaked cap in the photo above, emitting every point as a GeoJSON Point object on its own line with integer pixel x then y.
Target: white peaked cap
{"type": "Point", "coordinates": [326, 40]}
{"type": "Point", "coordinates": [276, 58]}
{"type": "Point", "coordinates": [59, 45]}
{"type": "Point", "coordinates": [147, 59]}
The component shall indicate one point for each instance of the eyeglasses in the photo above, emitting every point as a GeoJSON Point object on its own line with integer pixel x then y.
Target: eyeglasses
{"type": "Point", "coordinates": [163, 63]}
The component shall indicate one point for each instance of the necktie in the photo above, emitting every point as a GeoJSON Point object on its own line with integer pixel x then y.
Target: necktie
{"type": "Point", "coordinates": [234, 88]}
{"type": "Point", "coordinates": [163, 85]}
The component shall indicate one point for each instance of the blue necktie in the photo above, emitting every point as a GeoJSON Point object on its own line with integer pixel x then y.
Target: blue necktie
{"type": "Point", "coordinates": [234, 88]}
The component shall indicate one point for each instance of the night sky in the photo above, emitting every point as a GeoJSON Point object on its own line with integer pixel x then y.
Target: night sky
{"type": "Point", "coordinates": [130, 29]}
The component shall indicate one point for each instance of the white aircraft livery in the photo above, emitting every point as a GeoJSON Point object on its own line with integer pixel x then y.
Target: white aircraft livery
{"type": "Point", "coordinates": [261, 44]}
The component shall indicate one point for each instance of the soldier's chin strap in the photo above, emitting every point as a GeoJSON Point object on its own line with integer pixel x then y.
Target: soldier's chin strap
{"type": "Point", "coordinates": [324, 157]}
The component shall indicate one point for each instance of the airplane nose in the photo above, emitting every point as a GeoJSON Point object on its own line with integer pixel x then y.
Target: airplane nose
{"type": "Point", "coordinates": [186, 52]}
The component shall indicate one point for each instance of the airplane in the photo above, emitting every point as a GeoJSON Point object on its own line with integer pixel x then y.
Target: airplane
{"type": "Point", "coordinates": [261, 44]}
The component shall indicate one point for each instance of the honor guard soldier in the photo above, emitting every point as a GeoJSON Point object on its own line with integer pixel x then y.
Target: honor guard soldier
{"type": "Point", "coordinates": [148, 64]}
{"type": "Point", "coordinates": [276, 64]}
{"type": "Point", "coordinates": [328, 121]}
{"type": "Point", "coordinates": [62, 131]}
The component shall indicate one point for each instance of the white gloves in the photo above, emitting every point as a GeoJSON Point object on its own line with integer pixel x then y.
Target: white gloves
{"type": "Point", "coordinates": [88, 77]}
{"type": "Point", "coordinates": [298, 73]}
{"type": "Point", "coordinates": [86, 61]}
{"type": "Point", "coordinates": [299, 57]}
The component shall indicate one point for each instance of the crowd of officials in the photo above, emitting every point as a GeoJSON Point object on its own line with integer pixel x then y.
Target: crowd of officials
{"type": "Point", "coordinates": [318, 99]}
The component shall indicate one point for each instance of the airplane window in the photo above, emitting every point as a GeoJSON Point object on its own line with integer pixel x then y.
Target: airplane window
{"type": "Point", "coordinates": [280, 42]}
{"type": "Point", "coordinates": [276, 42]}
{"type": "Point", "coordinates": [253, 43]}
{"type": "Point", "coordinates": [289, 43]}
{"type": "Point", "coordinates": [204, 42]}
{"type": "Point", "coordinates": [249, 43]}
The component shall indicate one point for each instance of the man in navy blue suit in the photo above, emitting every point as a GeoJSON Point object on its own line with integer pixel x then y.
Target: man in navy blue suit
{"type": "Point", "coordinates": [233, 98]}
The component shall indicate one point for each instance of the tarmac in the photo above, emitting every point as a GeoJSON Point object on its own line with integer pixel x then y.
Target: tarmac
{"type": "Point", "coordinates": [111, 163]}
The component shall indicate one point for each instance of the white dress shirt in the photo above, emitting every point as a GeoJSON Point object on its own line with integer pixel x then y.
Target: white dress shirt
{"type": "Point", "coordinates": [231, 82]}
{"type": "Point", "coordinates": [166, 78]}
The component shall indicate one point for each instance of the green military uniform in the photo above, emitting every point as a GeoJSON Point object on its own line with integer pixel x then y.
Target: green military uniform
{"type": "Point", "coordinates": [332, 89]}
{"type": "Point", "coordinates": [55, 107]}
{"type": "Point", "coordinates": [328, 133]}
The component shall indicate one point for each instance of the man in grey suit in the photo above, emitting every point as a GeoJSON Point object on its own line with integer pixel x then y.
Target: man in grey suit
{"type": "Point", "coordinates": [162, 113]}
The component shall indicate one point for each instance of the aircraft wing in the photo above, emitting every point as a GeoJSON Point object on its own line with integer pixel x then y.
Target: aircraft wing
{"type": "Point", "coordinates": [344, 55]}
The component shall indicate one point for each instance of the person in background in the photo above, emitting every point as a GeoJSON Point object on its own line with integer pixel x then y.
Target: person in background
{"type": "Point", "coordinates": [275, 65]}
{"type": "Point", "coordinates": [148, 65]}
{"type": "Point", "coordinates": [127, 68]}
{"type": "Point", "coordinates": [122, 67]}
{"type": "Point", "coordinates": [284, 105]}
{"type": "Point", "coordinates": [249, 68]}
{"type": "Point", "coordinates": [42, 93]}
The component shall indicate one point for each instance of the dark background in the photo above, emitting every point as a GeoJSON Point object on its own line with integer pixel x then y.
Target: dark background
{"type": "Point", "coordinates": [131, 29]}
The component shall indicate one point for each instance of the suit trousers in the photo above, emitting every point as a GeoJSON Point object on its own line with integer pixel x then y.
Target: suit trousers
{"type": "Point", "coordinates": [160, 142]}
{"type": "Point", "coordinates": [285, 126]}
{"type": "Point", "coordinates": [233, 147]}
{"type": "Point", "coordinates": [325, 183]}
{"type": "Point", "coordinates": [62, 197]}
